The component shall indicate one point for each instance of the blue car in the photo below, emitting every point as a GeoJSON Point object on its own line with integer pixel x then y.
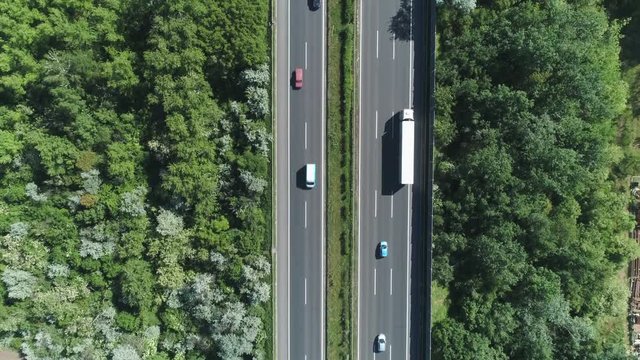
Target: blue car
{"type": "Point", "coordinates": [383, 249]}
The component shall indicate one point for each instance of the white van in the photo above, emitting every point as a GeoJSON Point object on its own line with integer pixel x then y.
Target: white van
{"type": "Point", "coordinates": [310, 176]}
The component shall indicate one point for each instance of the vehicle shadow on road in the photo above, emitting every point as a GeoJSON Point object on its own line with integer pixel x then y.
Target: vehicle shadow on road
{"type": "Point", "coordinates": [376, 252]}
{"type": "Point", "coordinates": [374, 346]}
{"type": "Point", "coordinates": [390, 167]}
{"type": "Point", "coordinates": [301, 178]}
{"type": "Point", "coordinates": [400, 24]}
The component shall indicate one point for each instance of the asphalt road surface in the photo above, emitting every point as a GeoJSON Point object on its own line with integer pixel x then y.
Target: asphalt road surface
{"type": "Point", "coordinates": [392, 33]}
{"type": "Point", "coordinates": [300, 220]}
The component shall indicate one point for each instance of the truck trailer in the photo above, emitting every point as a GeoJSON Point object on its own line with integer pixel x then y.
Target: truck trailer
{"type": "Point", "coordinates": [407, 140]}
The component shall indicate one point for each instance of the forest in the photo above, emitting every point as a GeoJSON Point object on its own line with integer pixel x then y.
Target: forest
{"type": "Point", "coordinates": [531, 217]}
{"type": "Point", "coordinates": [135, 192]}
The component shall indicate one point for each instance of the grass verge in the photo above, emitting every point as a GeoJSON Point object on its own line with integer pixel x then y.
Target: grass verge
{"type": "Point", "coordinates": [340, 239]}
{"type": "Point", "coordinates": [439, 303]}
{"type": "Point", "coordinates": [615, 328]}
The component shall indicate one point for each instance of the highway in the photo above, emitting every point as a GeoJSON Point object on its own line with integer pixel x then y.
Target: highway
{"type": "Point", "coordinates": [389, 296]}
{"type": "Point", "coordinates": [300, 219]}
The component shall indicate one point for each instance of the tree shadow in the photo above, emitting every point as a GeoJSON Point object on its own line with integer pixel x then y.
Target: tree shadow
{"type": "Point", "coordinates": [401, 22]}
{"type": "Point", "coordinates": [390, 167]}
{"type": "Point", "coordinates": [630, 41]}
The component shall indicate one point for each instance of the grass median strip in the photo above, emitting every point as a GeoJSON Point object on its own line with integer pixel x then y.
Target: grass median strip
{"type": "Point", "coordinates": [340, 179]}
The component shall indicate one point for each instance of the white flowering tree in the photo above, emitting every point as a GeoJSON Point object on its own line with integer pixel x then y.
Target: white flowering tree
{"type": "Point", "coordinates": [169, 224]}
{"type": "Point", "coordinates": [254, 287]}
{"type": "Point", "coordinates": [132, 202]}
{"type": "Point", "coordinates": [125, 352]}
{"type": "Point", "coordinates": [20, 284]}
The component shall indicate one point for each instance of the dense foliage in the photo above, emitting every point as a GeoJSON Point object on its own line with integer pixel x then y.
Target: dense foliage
{"type": "Point", "coordinates": [530, 228]}
{"type": "Point", "coordinates": [628, 12]}
{"type": "Point", "coordinates": [134, 178]}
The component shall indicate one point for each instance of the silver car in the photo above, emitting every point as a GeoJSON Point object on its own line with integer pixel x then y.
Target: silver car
{"type": "Point", "coordinates": [381, 343]}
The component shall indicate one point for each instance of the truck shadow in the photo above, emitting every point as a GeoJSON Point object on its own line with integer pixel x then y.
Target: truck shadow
{"type": "Point", "coordinates": [390, 167]}
{"type": "Point", "coordinates": [301, 178]}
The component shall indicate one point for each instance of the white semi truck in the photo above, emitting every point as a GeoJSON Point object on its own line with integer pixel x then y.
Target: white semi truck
{"type": "Point", "coordinates": [407, 140]}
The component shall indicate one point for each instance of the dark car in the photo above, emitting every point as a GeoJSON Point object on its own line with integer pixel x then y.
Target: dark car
{"type": "Point", "coordinates": [315, 4]}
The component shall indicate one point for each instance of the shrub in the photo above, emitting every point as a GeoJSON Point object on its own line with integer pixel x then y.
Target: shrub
{"type": "Point", "coordinates": [20, 284]}
{"type": "Point", "coordinates": [258, 101]}
{"type": "Point", "coordinates": [127, 321]}
{"type": "Point", "coordinates": [88, 200]}
{"type": "Point", "coordinates": [91, 181]}
{"type": "Point", "coordinates": [19, 230]}
{"type": "Point", "coordinates": [86, 160]}
{"type": "Point", "coordinates": [258, 77]}
{"type": "Point", "coordinates": [125, 352]}
{"type": "Point", "coordinates": [31, 190]}
{"type": "Point", "coordinates": [169, 224]}
{"type": "Point", "coordinates": [133, 201]}
{"type": "Point", "coordinates": [58, 270]}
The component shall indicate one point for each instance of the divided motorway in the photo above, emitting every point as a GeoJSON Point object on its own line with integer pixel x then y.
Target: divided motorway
{"type": "Point", "coordinates": [300, 220]}
{"type": "Point", "coordinates": [391, 291]}
{"type": "Point", "coordinates": [391, 295]}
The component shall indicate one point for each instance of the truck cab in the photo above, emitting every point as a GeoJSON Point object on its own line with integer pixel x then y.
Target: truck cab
{"type": "Point", "coordinates": [407, 114]}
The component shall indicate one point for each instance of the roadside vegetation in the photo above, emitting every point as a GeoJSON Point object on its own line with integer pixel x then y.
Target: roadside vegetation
{"type": "Point", "coordinates": [628, 134]}
{"type": "Point", "coordinates": [629, 122]}
{"type": "Point", "coordinates": [340, 227]}
{"type": "Point", "coordinates": [530, 221]}
{"type": "Point", "coordinates": [135, 179]}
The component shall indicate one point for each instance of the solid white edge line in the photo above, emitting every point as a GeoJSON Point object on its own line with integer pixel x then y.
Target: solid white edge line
{"type": "Point", "coordinates": [322, 195]}
{"type": "Point", "coordinates": [408, 267]}
{"type": "Point", "coordinates": [409, 186]}
{"type": "Point", "coordinates": [410, 54]}
{"type": "Point", "coordinates": [410, 73]}
{"type": "Point", "coordinates": [288, 184]}
{"type": "Point", "coordinates": [359, 331]}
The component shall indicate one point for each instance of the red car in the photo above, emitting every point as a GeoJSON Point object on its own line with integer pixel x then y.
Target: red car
{"type": "Point", "coordinates": [297, 77]}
